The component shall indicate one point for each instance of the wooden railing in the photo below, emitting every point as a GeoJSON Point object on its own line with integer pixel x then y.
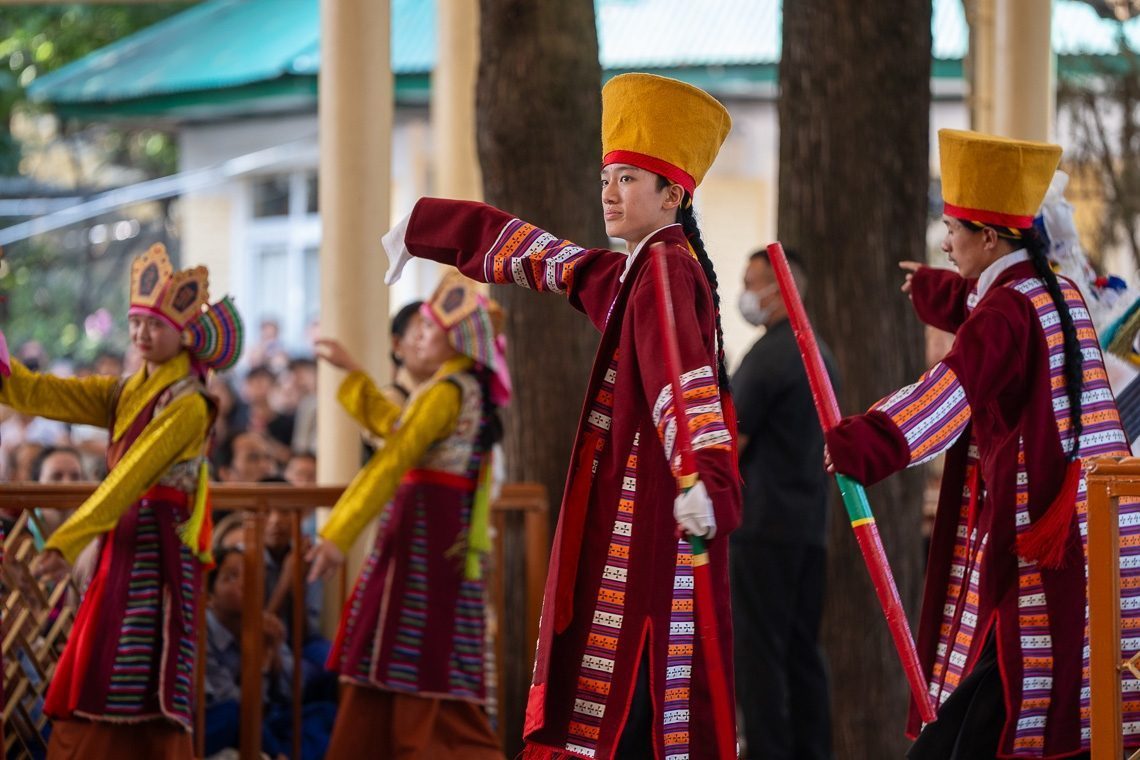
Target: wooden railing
{"type": "Point", "coordinates": [519, 517]}
{"type": "Point", "coordinates": [1109, 479]}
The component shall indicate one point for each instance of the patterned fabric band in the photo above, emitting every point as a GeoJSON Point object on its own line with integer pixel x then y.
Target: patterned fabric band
{"type": "Point", "coordinates": [216, 336]}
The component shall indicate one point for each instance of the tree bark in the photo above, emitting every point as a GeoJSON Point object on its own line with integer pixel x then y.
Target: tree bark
{"type": "Point", "coordinates": [853, 187]}
{"type": "Point", "coordinates": [538, 121]}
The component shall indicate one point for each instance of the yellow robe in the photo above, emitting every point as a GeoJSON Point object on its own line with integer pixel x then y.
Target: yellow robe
{"type": "Point", "coordinates": [429, 416]}
{"type": "Point", "coordinates": [176, 434]}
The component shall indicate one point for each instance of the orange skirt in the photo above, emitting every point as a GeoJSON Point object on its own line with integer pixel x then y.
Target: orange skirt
{"type": "Point", "coordinates": [376, 723]}
{"type": "Point", "coordinates": [85, 740]}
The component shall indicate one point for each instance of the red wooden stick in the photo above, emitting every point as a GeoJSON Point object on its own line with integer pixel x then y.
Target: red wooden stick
{"type": "Point", "coordinates": [854, 496]}
{"type": "Point", "coordinates": [724, 714]}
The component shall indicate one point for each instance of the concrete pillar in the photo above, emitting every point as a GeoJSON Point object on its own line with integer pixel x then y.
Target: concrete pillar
{"type": "Point", "coordinates": [983, 51]}
{"type": "Point", "coordinates": [1025, 83]}
{"type": "Point", "coordinates": [453, 100]}
{"type": "Point", "coordinates": [355, 106]}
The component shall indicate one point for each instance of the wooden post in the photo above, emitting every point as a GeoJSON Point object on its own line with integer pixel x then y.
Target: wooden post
{"type": "Point", "coordinates": [355, 106]}
{"type": "Point", "coordinates": [200, 674]}
{"type": "Point", "coordinates": [453, 100]}
{"type": "Point", "coordinates": [252, 632]}
{"type": "Point", "coordinates": [1104, 617]}
{"type": "Point", "coordinates": [299, 627]}
{"type": "Point", "coordinates": [1025, 81]}
{"type": "Point", "coordinates": [983, 50]}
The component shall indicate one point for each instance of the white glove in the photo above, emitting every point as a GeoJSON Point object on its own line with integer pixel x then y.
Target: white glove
{"type": "Point", "coordinates": [693, 511]}
{"type": "Point", "coordinates": [398, 253]}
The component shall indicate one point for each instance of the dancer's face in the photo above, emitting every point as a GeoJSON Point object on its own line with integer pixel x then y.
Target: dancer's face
{"type": "Point", "coordinates": [970, 250]}
{"type": "Point", "coordinates": [432, 348]}
{"type": "Point", "coordinates": [154, 339]}
{"type": "Point", "coordinates": [633, 206]}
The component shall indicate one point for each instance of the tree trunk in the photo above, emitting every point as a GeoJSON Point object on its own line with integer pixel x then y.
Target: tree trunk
{"type": "Point", "coordinates": [854, 151]}
{"type": "Point", "coordinates": [538, 119]}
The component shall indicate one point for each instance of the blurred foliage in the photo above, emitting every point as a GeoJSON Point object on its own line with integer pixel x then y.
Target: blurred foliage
{"type": "Point", "coordinates": [1102, 104]}
{"type": "Point", "coordinates": [35, 40]}
{"type": "Point", "coordinates": [55, 285]}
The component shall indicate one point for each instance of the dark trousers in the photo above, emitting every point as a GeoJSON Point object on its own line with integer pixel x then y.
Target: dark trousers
{"type": "Point", "coordinates": [970, 721]}
{"type": "Point", "coordinates": [781, 677]}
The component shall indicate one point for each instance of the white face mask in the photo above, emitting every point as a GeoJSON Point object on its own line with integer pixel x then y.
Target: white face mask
{"type": "Point", "coordinates": [751, 308]}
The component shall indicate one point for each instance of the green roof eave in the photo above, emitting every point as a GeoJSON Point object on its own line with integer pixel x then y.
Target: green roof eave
{"type": "Point", "coordinates": [285, 94]}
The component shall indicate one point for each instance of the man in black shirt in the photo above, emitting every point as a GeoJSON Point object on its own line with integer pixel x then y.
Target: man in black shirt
{"type": "Point", "coordinates": [778, 557]}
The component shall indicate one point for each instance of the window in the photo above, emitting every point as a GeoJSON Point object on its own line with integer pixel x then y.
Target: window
{"type": "Point", "coordinates": [271, 196]}
{"type": "Point", "coordinates": [279, 274]}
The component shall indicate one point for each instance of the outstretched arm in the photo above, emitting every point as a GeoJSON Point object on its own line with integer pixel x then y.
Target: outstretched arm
{"type": "Point", "coordinates": [489, 245]}
{"type": "Point", "coordinates": [82, 401]}
{"type": "Point", "coordinates": [921, 420]}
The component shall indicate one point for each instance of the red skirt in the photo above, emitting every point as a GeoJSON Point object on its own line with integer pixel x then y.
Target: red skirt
{"type": "Point", "coordinates": [130, 655]}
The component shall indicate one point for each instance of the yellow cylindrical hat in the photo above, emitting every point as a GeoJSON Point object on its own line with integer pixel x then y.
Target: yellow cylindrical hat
{"type": "Point", "coordinates": [993, 180]}
{"type": "Point", "coordinates": [663, 126]}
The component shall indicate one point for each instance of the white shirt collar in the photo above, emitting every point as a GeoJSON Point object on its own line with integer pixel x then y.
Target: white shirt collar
{"type": "Point", "coordinates": [993, 270]}
{"type": "Point", "coordinates": [630, 257]}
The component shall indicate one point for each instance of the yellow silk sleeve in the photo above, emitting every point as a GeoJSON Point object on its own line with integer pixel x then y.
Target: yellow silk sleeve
{"type": "Point", "coordinates": [79, 400]}
{"type": "Point", "coordinates": [371, 409]}
{"type": "Point", "coordinates": [431, 417]}
{"type": "Point", "coordinates": [173, 436]}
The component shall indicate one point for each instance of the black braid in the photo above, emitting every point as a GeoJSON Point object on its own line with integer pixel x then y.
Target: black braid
{"type": "Point", "coordinates": [491, 425]}
{"type": "Point", "coordinates": [1074, 361]}
{"type": "Point", "coordinates": [688, 222]}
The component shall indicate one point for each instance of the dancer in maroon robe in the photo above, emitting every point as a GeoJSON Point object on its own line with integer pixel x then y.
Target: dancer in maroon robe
{"type": "Point", "coordinates": [619, 669]}
{"type": "Point", "coordinates": [1021, 397]}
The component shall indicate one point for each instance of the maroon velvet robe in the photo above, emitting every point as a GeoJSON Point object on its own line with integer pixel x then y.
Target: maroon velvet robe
{"type": "Point", "coordinates": [997, 401]}
{"type": "Point", "coordinates": [620, 582]}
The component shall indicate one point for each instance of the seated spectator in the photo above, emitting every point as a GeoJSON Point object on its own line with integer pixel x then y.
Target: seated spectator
{"type": "Point", "coordinates": [233, 414]}
{"type": "Point", "coordinates": [19, 465]}
{"type": "Point", "coordinates": [244, 458]}
{"type": "Point", "coordinates": [108, 362]}
{"type": "Point", "coordinates": [303, 372]}
{"type": "Point", "coordinates": [268, 350]}
{"type": "Point", "coordinates": [223, 673]}
{"type": "Point", "coordinates": [279, 564]}
{"type": "Point", "coordinates": [51, 465]}
{"type": "Point", "coordinates": [301, 468]}
{"type": "Point", "coordinates": [258, 391]}
{"type": "Point", "coordinates": [55, 464]}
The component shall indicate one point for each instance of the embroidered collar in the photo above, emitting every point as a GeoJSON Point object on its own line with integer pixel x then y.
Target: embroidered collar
{"type": "Point", "coordinates": [994, 270]}
{"type": "Point", "coordinates": [629, 258]}
{"type": "Point", "coordinates": [140, 389]}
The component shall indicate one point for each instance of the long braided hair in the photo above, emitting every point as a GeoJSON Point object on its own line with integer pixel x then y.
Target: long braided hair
{"type": "Point", "coordinates": [1035, 246]}
{"type": "Point", "coordinates": [491, 425]}
{"type": "Point", "coordinates": [688, 221]}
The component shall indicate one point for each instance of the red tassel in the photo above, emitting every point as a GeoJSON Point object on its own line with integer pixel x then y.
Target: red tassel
{"type": "Point", "coordinates": [1047, 538]}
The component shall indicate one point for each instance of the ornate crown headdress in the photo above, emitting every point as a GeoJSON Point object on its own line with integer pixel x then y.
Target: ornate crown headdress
{"type": "Point", "coordinates": [473, 323]}
{"type": "Point", "coordinates": [156, 289]}
{"type": "Point", "coordinates": [212, 334]}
